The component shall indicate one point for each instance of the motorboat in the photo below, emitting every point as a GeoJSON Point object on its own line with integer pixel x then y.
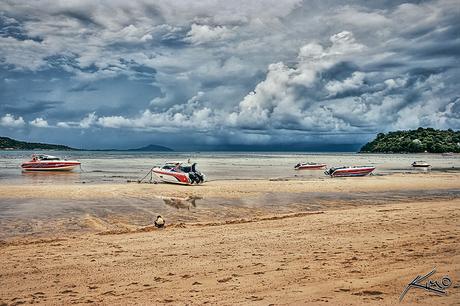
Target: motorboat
{"type": "Point", "coordinates": [309, 166]}
{"type": "Point", "coordinates": [350, 171]}
{"type": "Point", "coordinates": [178, 172]}
{"type": "Point", "coordinates": [43, 162]}
{"type": "Point", "coordinates": [420, 164]}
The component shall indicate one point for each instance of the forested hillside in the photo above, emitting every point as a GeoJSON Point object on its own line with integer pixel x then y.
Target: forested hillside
{"type": "Point", "coordinates": [415, 141]}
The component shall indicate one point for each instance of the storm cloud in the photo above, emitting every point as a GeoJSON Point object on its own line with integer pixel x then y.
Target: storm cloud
{"type": "Point", "coordinates": [214, 72]}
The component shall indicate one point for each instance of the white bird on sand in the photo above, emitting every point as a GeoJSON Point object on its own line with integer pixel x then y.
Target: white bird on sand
{"type": "Point", "coordinates": [159, 222]}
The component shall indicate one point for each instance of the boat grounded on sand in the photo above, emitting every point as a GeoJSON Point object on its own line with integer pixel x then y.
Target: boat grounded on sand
{"type": "Point", "coordinates": [42, 162]}
{"type": "Point", "coordinates": [309, 166]}
{"type": "Point", "coordinates": [179, 173]}
{"type": "Point", "coordinates": [349, 171]}
{"type": "Point", "coordinates": [420, 164]}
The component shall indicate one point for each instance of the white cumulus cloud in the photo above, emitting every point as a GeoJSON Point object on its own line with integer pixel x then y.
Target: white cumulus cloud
{"type": "Point", "coordinates": [39, 122]}
{"type": "Point", "coordinates": [279, 101]}
{"type": "Point", "coordinates": [89, 120]}
{"type": "Point", "coordinates": [200, 34]}
{"type": "Point", "coordinates": [354, 82]}
{"type": "Point", "coordinates": [10, 121]}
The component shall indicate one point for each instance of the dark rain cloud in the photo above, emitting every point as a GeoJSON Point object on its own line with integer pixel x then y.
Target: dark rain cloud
{"type": "Point", "coordinates": [83, 87]}
{"type": "Point", "coordinates": [30, 107]}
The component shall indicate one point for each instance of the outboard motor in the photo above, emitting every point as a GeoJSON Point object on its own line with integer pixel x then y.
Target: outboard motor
{"type": "Point", "coordinates": [200, 177]}
{"type": "Point", "coordinates": [192, 175]}
{"type": "Point", "coordinates": [197, 176]}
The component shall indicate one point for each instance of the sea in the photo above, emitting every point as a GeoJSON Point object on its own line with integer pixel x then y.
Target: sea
{"type": "Point", "coordinates": [101, 167]}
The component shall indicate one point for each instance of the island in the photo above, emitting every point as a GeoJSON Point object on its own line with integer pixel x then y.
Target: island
{"type": "Point", "coordinates": [7, 143]}
{"type": "Point", "coordinates": [153, 148]}
{"type": "Point", "coordinates": [421, 140]}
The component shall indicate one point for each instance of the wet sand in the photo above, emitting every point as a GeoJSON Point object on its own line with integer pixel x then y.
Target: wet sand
{"type": "Point", "coordinates": [364, 253]}
{"type": "Point", "coordinates": [234, 188]}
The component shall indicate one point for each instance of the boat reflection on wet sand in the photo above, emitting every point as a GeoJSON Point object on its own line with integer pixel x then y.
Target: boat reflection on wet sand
{"type": "Point", "coordinates": [181, 203]}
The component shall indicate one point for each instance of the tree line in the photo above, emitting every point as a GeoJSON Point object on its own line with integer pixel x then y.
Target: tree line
{"type": "Point", "coordinates": [421, 140]}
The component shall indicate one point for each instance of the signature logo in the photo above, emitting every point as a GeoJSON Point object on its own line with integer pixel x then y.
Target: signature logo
{"type": "Point", "coordinates": [434, 286]}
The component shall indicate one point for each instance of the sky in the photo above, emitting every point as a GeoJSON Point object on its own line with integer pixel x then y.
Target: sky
{"type": "Point", "coordinates": [204, 74]}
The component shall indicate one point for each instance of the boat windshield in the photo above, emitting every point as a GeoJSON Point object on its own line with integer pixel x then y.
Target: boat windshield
{"type": "Point", "coordinates": [50, 158]}
{"type": "Point", "coordinates": [46, 157]}
{"type": "Point", "coordinates": [183, 167]}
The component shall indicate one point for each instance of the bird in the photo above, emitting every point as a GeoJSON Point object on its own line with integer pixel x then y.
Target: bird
{"type": "Point", "coordinates": [159, 222]}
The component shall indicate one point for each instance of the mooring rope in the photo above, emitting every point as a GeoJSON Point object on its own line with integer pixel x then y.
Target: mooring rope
{"type": "Point", "coordinates": [151, 177]}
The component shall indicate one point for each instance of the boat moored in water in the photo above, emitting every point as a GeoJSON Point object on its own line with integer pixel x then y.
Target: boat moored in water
{"type": "Point", "coordinates": [349, 171]}
{"type": "Point", "coordinates": [177, 172]}
{"type": "Point", "coordinates": [309, 166]}
{"type": "Point", "coordinates": [420, 164]}
{"type": "Point", "coordinates": [43, 162]}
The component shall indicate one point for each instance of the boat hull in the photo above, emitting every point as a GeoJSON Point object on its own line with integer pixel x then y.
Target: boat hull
{"type": "Point", "coordinates": [352, 172]}
{"type": "Point", "coordinates": [421, 166]}
{"type": "Point", "coordinates": [50, 166]}
{"type": "Point", "coordinates": [172, 177]}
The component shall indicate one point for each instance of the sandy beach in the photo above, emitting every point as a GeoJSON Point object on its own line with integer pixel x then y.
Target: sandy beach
{"type": "Point", "coordinates": [365, 253]}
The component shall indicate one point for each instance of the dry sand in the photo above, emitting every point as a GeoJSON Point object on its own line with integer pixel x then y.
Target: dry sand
{"type": "Point", "coordinates": [361, 255]}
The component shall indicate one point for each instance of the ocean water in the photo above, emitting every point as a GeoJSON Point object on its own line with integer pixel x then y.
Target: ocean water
{"type": "Point", "coordinates": [118, 167]}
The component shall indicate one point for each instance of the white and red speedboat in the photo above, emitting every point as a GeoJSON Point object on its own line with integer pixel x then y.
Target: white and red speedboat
{"type": "Point", "coordinates": [350, 171]}
{"type": "Point", "coordinates": [179, 173]}
{"type": "Point", "coordinates": [42, 162]}
{"type": "Point", "coordinates": [309, 166]}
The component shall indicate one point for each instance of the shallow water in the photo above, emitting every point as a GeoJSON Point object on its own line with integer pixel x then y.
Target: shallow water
{"type": "Point", "coordinates": [46, 217]}
{"type": "Point", "coordinates": [113, 167]}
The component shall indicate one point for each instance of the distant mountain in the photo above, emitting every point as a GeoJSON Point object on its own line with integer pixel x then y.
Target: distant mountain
{"type": "Point", "coordinates": [415, 141]}
{"type": "Point", "coordinates": [12, 144]}
{"type": "Point", "coordinates": [153, 148]}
